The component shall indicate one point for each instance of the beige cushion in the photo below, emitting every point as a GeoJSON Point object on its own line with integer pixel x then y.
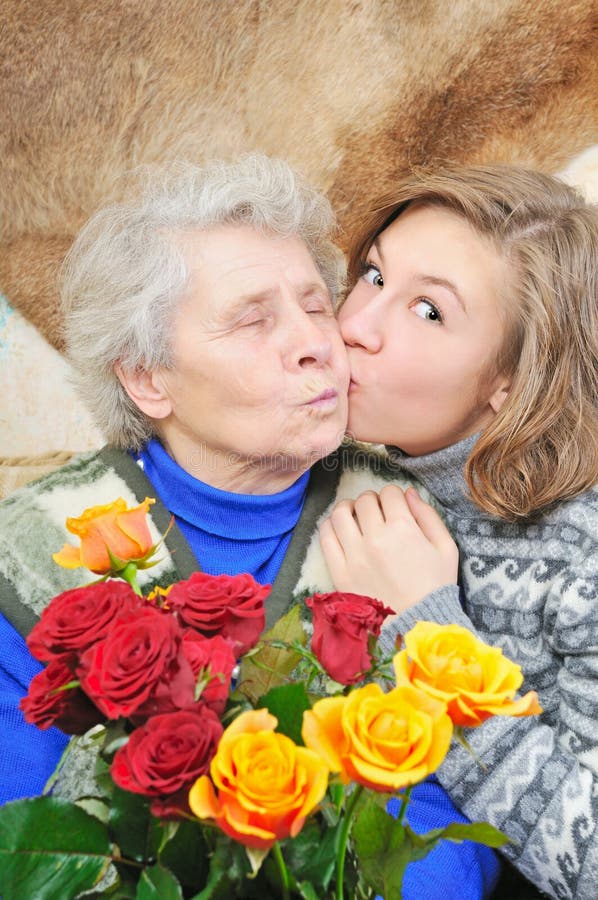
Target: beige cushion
{"type": "Point", "coordinates": [18, 470]}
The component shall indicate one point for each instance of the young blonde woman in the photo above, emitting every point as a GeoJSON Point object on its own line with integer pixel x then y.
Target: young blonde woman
{"type": "Point", "coordinates": [472, 337]}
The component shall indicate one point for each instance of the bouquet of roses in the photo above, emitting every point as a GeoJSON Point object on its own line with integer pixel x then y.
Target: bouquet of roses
{"type": "Point", "coordinates": [232, 763]}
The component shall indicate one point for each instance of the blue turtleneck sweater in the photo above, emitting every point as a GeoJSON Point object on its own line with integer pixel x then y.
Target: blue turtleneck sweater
{"type": "Point", "coordinates": [228, 533]}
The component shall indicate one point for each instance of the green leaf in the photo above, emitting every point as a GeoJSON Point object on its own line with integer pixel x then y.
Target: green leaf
{"type": "Point", "coordinates": [384, 847]}
{"type": "Point", "coordinates": [311, 856]}
{"type": "Point", "coordinates": [268, 667]}
{"type": "Point", "coordinates": [103, 778]}
{"type": "Point", "coordinates": [134, 829]}
{"type": "Point", "coordinates": [50, 848]}
{"type": "Point", "coordinates": [382, 851]}
{"type": "Point", "coordinates": [308, 892]}
{"type": "Point", "coordinates": [288, 703]}
{"type": "Point", "coordinates": [186, 854]}
{"type": "Point", "coordinates": [94, 807]}
{"type": "Point", "coordinates": [229, 867]}
{"type": "Point", "coordinates": [116, 734]}
{"type": "Point", "coordinates": [480, 832]}
{"type": "Point", "coordinates": [157, 883]}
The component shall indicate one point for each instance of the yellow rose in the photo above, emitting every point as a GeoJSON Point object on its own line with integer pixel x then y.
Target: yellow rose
{"type": "Point", "coordinates": [124, 532]}
{"type": "Point", "coordinates": [266, 784]}
{"type": "Point", "coordinates": [475, 680]}
{"type": "Point", "coordinates": [384, 741]}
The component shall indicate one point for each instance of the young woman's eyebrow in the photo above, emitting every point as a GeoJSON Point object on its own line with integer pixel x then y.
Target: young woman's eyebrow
{"type": "Point", "coordinates": [445, 283]}
{"type": "Point", "coordinates": [426, 279]}
{"type": "Point", "coordinates": [377, 245]}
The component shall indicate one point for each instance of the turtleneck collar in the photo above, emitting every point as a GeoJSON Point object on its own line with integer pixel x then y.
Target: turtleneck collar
{"type": "Point", "coordinates": [442, 474]}
{"type": "Point", "coordinates": [218, 512]}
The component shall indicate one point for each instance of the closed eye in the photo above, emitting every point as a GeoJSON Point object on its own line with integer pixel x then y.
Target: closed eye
{"type": "Point", "coordinates": [317, 305]}
{"type": "Point", "coordinates": [252, 323]}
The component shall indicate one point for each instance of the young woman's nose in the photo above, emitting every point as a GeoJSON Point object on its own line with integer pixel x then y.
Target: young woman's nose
{"type": "Point", "coordinates": [361, 327]}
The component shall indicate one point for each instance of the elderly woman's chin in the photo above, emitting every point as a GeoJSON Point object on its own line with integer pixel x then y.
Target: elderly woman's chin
{"type": "Point", "coordinates": [309, 433]}
{"type": "Point", "coordinates": [329, 414]}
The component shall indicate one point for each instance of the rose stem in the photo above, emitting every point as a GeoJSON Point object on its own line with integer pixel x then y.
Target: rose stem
{"type": "Point", "coordinates": [343, 837]}
{"type": "Point", "coordinates": [129, 573]}
{"type": "Point", "coordinates": [284, 874]}
{"type": "Point", "coordinates": [404, 802]}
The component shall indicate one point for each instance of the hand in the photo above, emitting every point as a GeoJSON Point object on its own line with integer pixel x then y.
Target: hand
{"type": "Point", "coordinates": [392, 546]}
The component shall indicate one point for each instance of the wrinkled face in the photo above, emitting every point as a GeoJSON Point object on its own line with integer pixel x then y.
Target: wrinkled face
{"type": "Point", "coordinates": [260, 371]}
{"type": "Point", "coordinates": [423, 327]}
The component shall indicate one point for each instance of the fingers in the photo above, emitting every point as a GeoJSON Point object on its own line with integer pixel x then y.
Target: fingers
{"type": "Point", "coordinates": [368, 512]}
{"type": "Point", "coordinates": [351, 520]}
{"type": "Point", "coordinates": [342, 533]}
{"type": "Point", "coordinates": [428, 520]}
{"type": "Point", "coordinates": [394, 505]}
{"type": "Point", "coordinates": [342, 520]}
{"type": "Point", "coordinates": [333, 552]}
{"type": "Point", "coordinates": [392, 546]}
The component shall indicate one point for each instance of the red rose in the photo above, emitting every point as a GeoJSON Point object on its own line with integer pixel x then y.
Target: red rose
{"type": "Point", "coordinates": [139, 668]}
{"type": "Point", "coordinates": [164, 757]}
{"type": "Point", "coordinates": [343, 624]}
{"type": "Point", "coordinates": [211, 659]}
{"type": "Point", "coordinates": [46, 705]}
{"type": "Point", "coordinates": [76, 619]}
{"type": "Point", "coordinates": [230, 605]}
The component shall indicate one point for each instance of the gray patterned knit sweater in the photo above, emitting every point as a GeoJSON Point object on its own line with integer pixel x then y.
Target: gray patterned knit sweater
{"type": "Point", "coordinates": [531, 589]}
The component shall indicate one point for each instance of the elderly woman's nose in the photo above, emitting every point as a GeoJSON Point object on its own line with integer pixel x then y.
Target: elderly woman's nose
{"type": "Point", "coordinates": [309, 341]}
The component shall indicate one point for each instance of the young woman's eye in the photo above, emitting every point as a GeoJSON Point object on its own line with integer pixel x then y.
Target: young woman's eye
{"type": "Point", "coordinates": [425, 309]}
{"type": "Point", "coordinates": [372, 275]}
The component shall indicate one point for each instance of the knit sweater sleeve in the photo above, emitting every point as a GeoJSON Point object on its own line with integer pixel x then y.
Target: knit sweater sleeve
{"type": "Point", "coordinates": [539, 783]}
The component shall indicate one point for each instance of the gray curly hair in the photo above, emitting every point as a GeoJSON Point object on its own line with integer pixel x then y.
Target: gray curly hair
{"type": "Point", "coordinates": [125, 273]}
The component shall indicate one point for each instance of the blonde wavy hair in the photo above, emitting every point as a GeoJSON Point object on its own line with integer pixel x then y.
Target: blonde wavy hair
{"type": "Point", "coordinates": [542, 447]}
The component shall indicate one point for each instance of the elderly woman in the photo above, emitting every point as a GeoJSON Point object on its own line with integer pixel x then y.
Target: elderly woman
{"type": "Point", "coordinates": [201, 327]}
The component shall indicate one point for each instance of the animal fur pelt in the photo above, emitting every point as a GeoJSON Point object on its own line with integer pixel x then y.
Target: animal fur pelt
{"type": "Point", "coordinates": [349, 91]}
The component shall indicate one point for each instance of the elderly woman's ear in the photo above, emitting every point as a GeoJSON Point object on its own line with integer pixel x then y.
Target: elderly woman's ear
{"type": "Point", "coordinates": [146, 390]}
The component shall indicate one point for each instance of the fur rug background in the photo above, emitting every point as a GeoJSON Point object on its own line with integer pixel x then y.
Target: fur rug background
{"type": "Point", "coordinates": [349, 91]}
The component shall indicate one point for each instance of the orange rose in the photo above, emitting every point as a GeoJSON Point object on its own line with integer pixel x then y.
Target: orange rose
{"type": "Point", "coordinates": [384, 741]}
{"type": "Point", "coordinates": [104, 530]}
{"type": "Point", "coordinates": [267, 785]}
{"type": "Point", "coordinates": [475, 681]}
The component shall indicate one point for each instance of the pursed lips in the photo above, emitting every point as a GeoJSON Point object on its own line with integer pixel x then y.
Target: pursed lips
{"type": "Point", "coordinates": [327, 395]}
